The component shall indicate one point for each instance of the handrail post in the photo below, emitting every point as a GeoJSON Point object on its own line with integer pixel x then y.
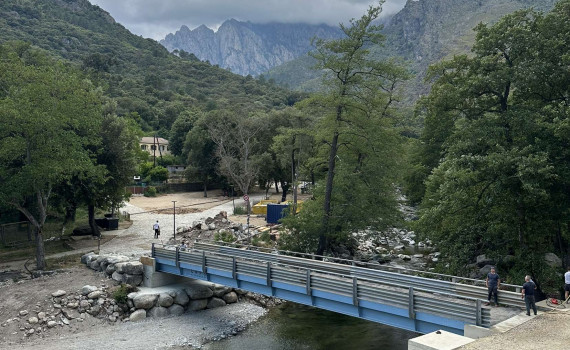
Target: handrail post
{"type": "Point", "coordinates": [268, 274]}
{"type": "Point", "coordinates": [152, 252]}
{"type": "Point", "coordinates": [234, 272]}
{"type": "Point", "coordinates": [308, 282]}
{"type": "Point", "coordinates": [355, 291]}
{"type": "Point", "coordinates": [177, 257]}
{"type": "Point", "coordinates": [203, 261]}
{"type": "Point", "coordinates": [411, 311]}
{"type": "Point", "coordinates": [479, 320]}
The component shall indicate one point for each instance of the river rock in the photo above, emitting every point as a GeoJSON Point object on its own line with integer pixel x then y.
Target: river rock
{"type": "Point", "coordinates": [115, 259]}
{"type": "Point", "coordinates": [482, 260]}
{"type": "Point", "coordinates": [117, 276]}
{"type": "Point", "coordinates": [133, 280]}
{"type": "Point", "coordinates": [84, 304]}
{"type": "Point", "coordinates": [88, 289]}
{"type": "Point", "coordinates": [23, 312]}
{"type": "Point", "coordinates": [86, 258]}
{"type": "Point", "coordinates": [199, 291]}
{"type": "Point", "coordinates": [181, 298]}
{"type": "Point", "coordinates": [138, 315]}
{"type": "Point", "coordinates": [58, 293]}
{"type": "Point", "coordinates": [176, 310]}
{"type": "Point", "coordinates": [132, 267]}
{"type": "Point", "coordinates": [219, 291]}
{"type": "Point", "coordinates": [158, 311]}
{"type": "Point", "coordinates": [94, 265]}
{"type": "Point", "coordinates": [552, 260]}
{"type": "Point", "coordinates": [33, 320]}
{"type": "Point", "coordinates": [230, 297]}
{"type": "Point", "coordinates": [51, 324]}
{"type": "Point", "coordinates": [399, 247]}
{"type": "Point", "coordinates": [145, 301]}
{"type": "Point", "coordinates": [71, 314]}
{"type": "Point", "coordinates": [110, 269]}
{"type": "Point", "coordinates": [211, 226]}
{"type": "Point", "coordinates": [165, 300]}
{"type": "Point", "coordinates": [199, 304]}
{"type": "Point", "coordinates": [215, 302]}
{"type": "Point", "coordinates": [41, 315]}
{"type": "Point", "coordinates": [95, 294]}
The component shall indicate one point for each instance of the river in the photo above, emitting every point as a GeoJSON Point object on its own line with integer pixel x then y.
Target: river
{"type": "Point", "coordinates": [292, 326]}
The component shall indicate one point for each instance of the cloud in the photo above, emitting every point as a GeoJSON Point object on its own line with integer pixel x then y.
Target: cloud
{"type": "Point", "coordinates": [155, 19]}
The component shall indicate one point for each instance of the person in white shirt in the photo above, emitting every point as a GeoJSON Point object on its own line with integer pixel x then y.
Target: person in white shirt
{"type": "Point", "coordinates": [156, 228]}
{"type": "Point", "coordinates": [567, 284]}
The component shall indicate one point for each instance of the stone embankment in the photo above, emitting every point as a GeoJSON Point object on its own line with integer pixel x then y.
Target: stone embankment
{"type": "Point", "coordinates": [117, 267]}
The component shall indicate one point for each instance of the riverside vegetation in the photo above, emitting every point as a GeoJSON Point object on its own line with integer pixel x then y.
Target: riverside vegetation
{"type": "Point", "coordinates": [486, 159]}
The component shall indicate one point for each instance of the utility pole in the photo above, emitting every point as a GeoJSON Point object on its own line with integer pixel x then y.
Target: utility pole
{"type": "Point", "coordinates": [154, 150]}
{"type": "Point", "coordinates": [174, 216]}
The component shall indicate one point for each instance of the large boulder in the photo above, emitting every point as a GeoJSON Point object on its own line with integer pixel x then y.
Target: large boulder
{"type": "Point", "coordinates": [85, 257]}
{"type": "Point", "coordinates": [199, 304]}
{"type": "Point", "coordinates": [115, 259]}
{"type": "Point", "coordinates": [181, 298]}
{"type": "Point", "coordinates": [215, 302]}
{"type": "Point", "coordinates": [117, 276]}
{"type": "Point", "coordinates": [165, 300]}
{"type": "Point", "coordinates": [95, 265]}
{"type": "Point", "coordinates": [176, 310]}
{"type": "Point", "coordinates": [110, 269]}
{"type": "Point", "coordinates": [199, 291]}
{"type": "Point", "coordinates": [131, 267]}
{"type": "Point", "coordinates": [230, 298]}
{"type": "Point", "coordinates": [552, 260]}
{"type": "Point", "coordinates": [483, 260]}
{"type": "Point", "coordinates": [484, 271]}
{"type": "Point", "coordinates": [158, 311]}
{"type": "Point", "coordinates": [145, 301]}
{"type": "Point", "coordinates": [133, 280]}
{"type": "Point", "coordinates": [219, 291]}
{"type": "Point", "coordinates": [138, 315]}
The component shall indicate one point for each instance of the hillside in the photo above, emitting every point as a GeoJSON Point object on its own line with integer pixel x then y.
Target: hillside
{"type": "Point", "coordinates": [248, 48]}
{"type": "Point", "coordinates": [146, 82]}
{"type": "Point", "coordinates": [422, 33]}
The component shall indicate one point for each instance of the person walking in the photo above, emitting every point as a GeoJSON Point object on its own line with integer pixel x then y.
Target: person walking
{"type": "Point", "coordinates": [493, 282]}
{"type": "Point", "coordinates": [156, 228]}
{"type": "Point", "coordinates": [567, 284]}
{"type": "Point", "coordinates": [527, 294]}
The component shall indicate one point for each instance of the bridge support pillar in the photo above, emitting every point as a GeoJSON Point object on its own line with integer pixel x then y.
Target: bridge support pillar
{"type": "Point", "coordinates": [153, 278]}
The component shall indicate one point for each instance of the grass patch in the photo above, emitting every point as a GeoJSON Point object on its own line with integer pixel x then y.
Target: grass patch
{"type": "Point", "coordinates": [64, 262]}
{"type": "Point", "coordinates": [29, 250]}
{"type": "Point", "coordinates": [240, 211]}
{"type": "Point", "coordinates": [262, 240]}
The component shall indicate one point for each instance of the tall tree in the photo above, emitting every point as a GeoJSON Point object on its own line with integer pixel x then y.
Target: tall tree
{"type": "Point", "coordinates": [359, 90]}
{"type": "Point", "coordinates": [49, 117]}
{"type": "Point", "coordinates": [501, 184]}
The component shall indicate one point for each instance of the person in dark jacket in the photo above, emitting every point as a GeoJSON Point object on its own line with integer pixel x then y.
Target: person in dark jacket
{"type": "Point", "coordinates": [493, 282]}
{"type": "Point", "coordinates": [527, 294]}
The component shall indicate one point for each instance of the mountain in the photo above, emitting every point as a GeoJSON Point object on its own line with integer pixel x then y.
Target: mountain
{"type": "Point", "coordinates": [144, 80]}
{"type": "Point", "coordinates": [248, 48]}
{"type": "Point", "coordinates": [422, 33]}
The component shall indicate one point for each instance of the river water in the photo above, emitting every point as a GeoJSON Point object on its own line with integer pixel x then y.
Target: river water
{"type": "Point", "coordinates": [292, 326]}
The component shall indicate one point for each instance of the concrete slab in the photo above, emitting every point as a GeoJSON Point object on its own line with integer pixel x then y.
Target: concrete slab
{"type": "Point", "coordinates": [512, 322]}
{"type": "Point", "coordinates": [476, 332]}
{"type": "Point", "coordinates": [439, 340]}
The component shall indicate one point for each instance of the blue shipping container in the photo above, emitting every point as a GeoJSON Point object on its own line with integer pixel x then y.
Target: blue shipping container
{"type": "Point", "coordinates": [275, 212]}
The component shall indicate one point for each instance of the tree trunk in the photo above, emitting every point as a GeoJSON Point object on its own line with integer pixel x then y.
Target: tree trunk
{"type": "Point", "coordinates": [294, 182]}
{"type": "Point", "coordinates": [276, 186]}
{"type": "Point", "coordinates": [323, 242]}
{"type": "Point", "coordinates": [205, 183]}
{"type": "Point", "coordinates": [40, 251]}
{"type": "Point", "coordinates": [94, 228]}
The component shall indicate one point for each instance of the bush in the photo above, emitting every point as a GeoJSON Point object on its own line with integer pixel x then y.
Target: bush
{"type": "Point", "coordinates": [150, 191]}
{"type": "Point", "coordinates": [240, 211]}
{"type": "Point", "coordinates": [224, 236]}
{"type": "Point", "coordinates": [120, 294]}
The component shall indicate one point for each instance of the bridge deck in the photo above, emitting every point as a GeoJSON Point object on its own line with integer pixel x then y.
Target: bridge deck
{"type": "Point", "coordinates": [413, 303]}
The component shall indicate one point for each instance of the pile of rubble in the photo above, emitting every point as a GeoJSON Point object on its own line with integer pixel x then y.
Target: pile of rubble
{"type": "Point", "coordinates": [66, 308]}
{"type": "Point", "coordinates": [117, 267]}
{"type": "Point", "coordinates": [218, 227]}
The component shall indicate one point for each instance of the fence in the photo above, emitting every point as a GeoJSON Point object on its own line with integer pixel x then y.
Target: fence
{"type": "Point", "coordinates": [16, 233]}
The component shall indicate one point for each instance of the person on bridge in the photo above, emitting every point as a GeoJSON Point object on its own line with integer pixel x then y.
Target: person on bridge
{"type": "Point", "coordinates": [567, 284]}
{"type": "Point", "coordinates": [493, 282]}
{"type": "Point", "coordinates": [156, 228]}
{"type": "Point", "coordinates": [527, 294]}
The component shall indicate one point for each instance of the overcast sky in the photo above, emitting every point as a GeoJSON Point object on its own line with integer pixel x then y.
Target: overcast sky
{"type": "Point", "coordinates": [156, 18]}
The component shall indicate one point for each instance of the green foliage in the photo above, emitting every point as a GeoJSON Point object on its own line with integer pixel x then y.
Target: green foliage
{"type": "Point", "coordinates": [158, 174]}
{"type": "Point", "coordinates": [239, 210]}
{"type": "Point", "coordinates": [224, 236]}
{"type": "Point", "coordinates": [150, 191]}
{"type": "Point", "coordinates": [120, 294]}
{"type": "Point", "coordinates": [496, 126]}
{"type": "Point", "coordinates": [262, 240]}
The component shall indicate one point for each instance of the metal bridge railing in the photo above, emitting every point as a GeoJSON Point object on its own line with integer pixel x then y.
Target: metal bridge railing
{"type": "Point", "coordinates": [415, 299]}
{"type": "Point", "coordinates": [410, 278]}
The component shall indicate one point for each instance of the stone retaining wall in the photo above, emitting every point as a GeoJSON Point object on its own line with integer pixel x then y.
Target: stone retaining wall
{"type": "Point", "coordinates": [117, 267]}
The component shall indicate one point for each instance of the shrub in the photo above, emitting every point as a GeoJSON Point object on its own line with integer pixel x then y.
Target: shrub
{"type": "Point", "coordinates": [120, 294]}
{"type": "Point", "coordinates": [224, 236]}
{"type": "Point", "coordinates": [240, 211]}
{"type": "Point", "coordinates": [150, 191]}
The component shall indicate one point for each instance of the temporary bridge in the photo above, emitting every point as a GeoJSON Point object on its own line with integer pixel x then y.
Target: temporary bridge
{"type": "Point", "coordinates": [414, 300]}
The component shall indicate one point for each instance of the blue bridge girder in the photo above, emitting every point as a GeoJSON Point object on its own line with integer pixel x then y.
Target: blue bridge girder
{"type": "Point", "coordinates": [379, 300]}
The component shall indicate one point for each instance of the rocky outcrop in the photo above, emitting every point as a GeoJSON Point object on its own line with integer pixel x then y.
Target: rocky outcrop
{"type": "Point", "coordinates": [248, 48]}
